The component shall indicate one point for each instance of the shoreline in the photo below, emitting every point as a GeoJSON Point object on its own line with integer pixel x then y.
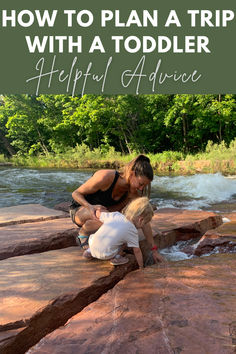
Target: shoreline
{"type": "Point", "coordinates": [6, 164]}
{"type": "Point", "coordinates": [172, 168]}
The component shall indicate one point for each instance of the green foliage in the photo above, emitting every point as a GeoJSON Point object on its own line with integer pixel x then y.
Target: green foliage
{"type": "Point", "coordinates": [219, 151]}
{"type": "Point", "coordinates": [216, 158]}
{"type": "Point", "coordinates": [167, 156]}
{"type": "Point", "coordinates": [93, 126]}
{"type": "Point", "coordinates": [2, 158]}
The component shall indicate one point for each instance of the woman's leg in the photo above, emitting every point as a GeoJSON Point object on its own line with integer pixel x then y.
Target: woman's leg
{"type": "Point", "coordinates": [82, 215]}
{"type": "Point", "coordinates": [88, 226]}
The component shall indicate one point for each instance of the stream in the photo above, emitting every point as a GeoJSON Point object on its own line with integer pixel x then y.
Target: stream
{"type": "Point", "coordinates": [51, 186]}
{"type": "Point", "coordinates": [212, 192]}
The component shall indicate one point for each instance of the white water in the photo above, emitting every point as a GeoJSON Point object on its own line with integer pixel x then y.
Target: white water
{"type": "Point", "coordinates": [194, 192]}
{"type": "Point", "coordinates": [49, 187]}
{"type": "Point", "coordinates": [174, 253]}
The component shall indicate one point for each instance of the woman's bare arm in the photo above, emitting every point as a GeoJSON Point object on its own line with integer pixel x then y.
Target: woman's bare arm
{"type": "Point", "coordinates": [120, 205]}
{"type": "Point", "coordinates": [101, 180]}
{"type": "Point", "coordinates": [123, 203]}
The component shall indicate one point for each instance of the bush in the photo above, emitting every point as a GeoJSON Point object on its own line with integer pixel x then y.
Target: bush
{"type": "Point", "coordinates": [2, 158]}
{"type": "Point", "coordinates": [215, 158]}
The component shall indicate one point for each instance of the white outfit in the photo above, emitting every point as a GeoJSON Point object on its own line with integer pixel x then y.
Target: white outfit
{"type": "Point", "coordinates": [115, 231]}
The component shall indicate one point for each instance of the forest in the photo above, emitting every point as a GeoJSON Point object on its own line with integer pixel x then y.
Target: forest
{"type": "Point", "coordinates": [39, 125]}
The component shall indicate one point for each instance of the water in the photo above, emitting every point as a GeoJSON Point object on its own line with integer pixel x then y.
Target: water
{"type": "Point", "coordinates": [45, 186]}
{"type": "Point", "coordinates": [51, 186]}
{"type": "Point", "coordinates": [198, 192]}
{"type": "Point", "coordinates": [175, 253]}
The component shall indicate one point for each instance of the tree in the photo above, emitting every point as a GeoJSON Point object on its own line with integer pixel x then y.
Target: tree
{"type": "Point", "coordinates": [128, 123]}
{"type": "Point", "coordinates": [179, 117]}
{"type": "Point", "coordinates": [23, 127]}
{"type": "Point", "coordinates": [5, 144]}
{"type": "Point", "coordinates": [216, 118]}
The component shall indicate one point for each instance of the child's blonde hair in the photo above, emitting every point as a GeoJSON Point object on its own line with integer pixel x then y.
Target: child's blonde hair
{"type": "Point", "coordinates": [139, 207]}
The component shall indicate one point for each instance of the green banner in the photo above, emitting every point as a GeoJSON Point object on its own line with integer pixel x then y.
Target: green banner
{"type": "Point", "coordinates": [126, 47]}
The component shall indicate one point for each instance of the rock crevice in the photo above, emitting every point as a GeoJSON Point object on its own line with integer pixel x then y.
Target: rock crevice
{"type": "Point", "coordinates": [46, 284]}
{"type": "Point", "coordinates": [62, 308]}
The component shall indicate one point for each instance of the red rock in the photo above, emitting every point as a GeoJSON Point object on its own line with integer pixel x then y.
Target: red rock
{"type": "Point", "coordinates": [34, 237]}
{"type": "Point", "coordinates": [28, 213]}
{"type": "Point", "coordinates": [64, 206]}
{"type": "Point", "coordinates": [42, 291]}
{"type": "Point", "coordinates": [172, 225]}
{"type": "Point", "coordinates": [29, 283]}
{"type": "Point", "coordinates": [181, 307]}
{"type": "Point", "coordinates": [220, 240]}
{"type": "Point", "coordinates": [179, 224]}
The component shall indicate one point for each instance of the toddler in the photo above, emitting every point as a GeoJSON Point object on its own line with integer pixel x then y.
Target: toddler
{"type": "Point", "coordinates": [120, 229]}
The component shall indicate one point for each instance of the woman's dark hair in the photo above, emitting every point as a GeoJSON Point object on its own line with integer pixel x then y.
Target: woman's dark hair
{"type": "Point", "coordinates": [141, 167]}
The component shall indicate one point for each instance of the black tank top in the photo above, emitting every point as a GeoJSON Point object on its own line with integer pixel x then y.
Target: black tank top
{"type": "Point", "coordinates": [102, 197]}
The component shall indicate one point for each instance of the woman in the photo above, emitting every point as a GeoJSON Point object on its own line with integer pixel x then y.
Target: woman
{"type": "Point", "coordinates": [109, 190]}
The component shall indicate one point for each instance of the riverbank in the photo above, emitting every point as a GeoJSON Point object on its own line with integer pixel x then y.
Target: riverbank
{"type": "Point", "coordinates": [5, 164]}
{"type": "Point", "coordinates": [216, 158]}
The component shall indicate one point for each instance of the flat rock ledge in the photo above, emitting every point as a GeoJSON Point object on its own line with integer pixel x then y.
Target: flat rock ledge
{"type": "Point", "coordinates": [169, 226]}
{"type": "Point", "coordinates": [28, 213]}
{"type": "Point", "coordinates": [180, 307]}
{"type": "Point", "coordinates": [35, 237]}
{"type": "Point", "coordinates": [41, 292]}
{"type": "Point", "coordinates": [172, 225]}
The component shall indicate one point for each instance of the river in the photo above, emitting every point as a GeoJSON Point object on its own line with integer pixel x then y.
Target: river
{"type": "Point", "coordinates": [48, 187]}
{"type": "Point", "coordinates": [51, 186]}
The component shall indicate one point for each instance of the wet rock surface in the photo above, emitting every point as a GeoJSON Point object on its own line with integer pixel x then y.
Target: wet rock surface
{"type": "Point", "coordinates": [220, 240]}
{"type": "Point", "coordinates": [181, 307]}
{"type": "Point", "coordinates": [170, 225]}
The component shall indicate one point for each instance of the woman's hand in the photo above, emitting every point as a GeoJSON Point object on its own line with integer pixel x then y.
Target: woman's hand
{"type": "Point", "coordinates": [95, 210]}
